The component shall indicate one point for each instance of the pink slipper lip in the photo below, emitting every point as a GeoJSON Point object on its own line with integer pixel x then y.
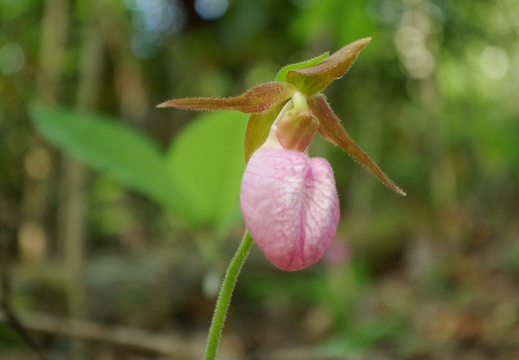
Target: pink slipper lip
{"type": "Point", "coordinates": [290, 206]}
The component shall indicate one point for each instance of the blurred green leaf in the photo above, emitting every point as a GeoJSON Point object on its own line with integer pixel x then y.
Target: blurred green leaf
{"type": "Point", "coordinates": [345, 20]}
{"type": "Point", "coordinates": [9, 338]}
{"type": "Point", "coordinates": [112, 147]}
{"type": "Point", "coordinates": [206, 162]}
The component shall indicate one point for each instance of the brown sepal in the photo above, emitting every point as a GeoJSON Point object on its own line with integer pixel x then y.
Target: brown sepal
{"type": "Point", "coordinates": [314, 79]}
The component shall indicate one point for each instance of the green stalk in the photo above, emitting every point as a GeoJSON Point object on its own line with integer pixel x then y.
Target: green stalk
{"type": "Point", "coordinates": [224, 298]}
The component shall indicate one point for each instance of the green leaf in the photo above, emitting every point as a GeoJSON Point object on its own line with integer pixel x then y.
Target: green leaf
{"type": "Point", "coordinates": [282, 74]}
{"type": "Point", "coordinates": [109, 146]}
{"type": "Point", "coordinates": [206, 161]}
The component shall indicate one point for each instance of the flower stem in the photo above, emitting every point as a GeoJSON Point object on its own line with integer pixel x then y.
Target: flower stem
{"type": "Point", "coordinates": [224, 298]}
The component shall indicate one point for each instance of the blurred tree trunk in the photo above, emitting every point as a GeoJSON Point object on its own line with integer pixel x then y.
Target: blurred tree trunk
{"type": "Point", "coordinates": [32, 239]}
{"type": "Point", "coordinates": [54, 34]}
{"type": "Point", "coordinates": [129, 79]}
{"type": "Point", "coordinates": [72, 211]}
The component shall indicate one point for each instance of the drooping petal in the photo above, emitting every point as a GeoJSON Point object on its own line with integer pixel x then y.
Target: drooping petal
{"type": "Point", "coordinates": [256, 100]}
{"type": "Point", "coordinates": [331, 129]}
{"type": "Point", "coordinates": [290, 206]}
{"type": "Point", "coordinates": [314, 79]}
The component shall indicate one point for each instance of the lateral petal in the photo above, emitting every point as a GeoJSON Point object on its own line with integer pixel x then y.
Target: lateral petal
{"type": "Point", "coordinates": [331, 129]}
{"type": "Point", "coordinates": [256, 100]}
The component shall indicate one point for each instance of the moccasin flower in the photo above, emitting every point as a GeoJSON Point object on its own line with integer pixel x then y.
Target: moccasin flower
{"type": "Point", "coordinates": [288, 200]}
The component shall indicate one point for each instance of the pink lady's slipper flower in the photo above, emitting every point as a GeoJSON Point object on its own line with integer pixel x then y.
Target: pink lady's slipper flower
{"type": "Point", "coordinates": [288, 200]}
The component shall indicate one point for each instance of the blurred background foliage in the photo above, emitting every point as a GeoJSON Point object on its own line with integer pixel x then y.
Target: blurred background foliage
{"type": "Point", "coordinates": [117, 219]}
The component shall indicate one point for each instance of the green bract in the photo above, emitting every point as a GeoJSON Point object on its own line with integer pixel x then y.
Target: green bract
{"type": "Point", "coordinates": [302, 84]}
{"type": "Point", "coordinates": [282, 74]}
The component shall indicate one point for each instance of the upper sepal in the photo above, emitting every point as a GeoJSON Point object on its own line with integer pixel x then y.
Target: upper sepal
{"type": "Point", "coordinates": [312, 80]}
{"type": "Point", "coordinates": [256, 100]}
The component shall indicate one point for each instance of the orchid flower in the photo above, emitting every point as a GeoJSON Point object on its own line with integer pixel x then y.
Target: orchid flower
{"type": "Point", "coordinates": [288, 200]}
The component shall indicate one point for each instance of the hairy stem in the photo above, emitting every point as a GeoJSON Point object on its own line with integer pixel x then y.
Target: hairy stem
{"type": "Point", "coordinates": [224, 298]}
